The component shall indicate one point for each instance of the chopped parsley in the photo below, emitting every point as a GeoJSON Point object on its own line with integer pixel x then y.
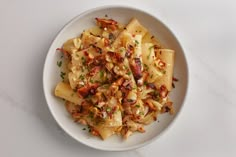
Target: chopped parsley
{"type": "Point", "coordinates": [84, 129]}
{"type": "Point", "coordinates": [151, 47]}
{"type": "Point", "coordinates": [136, 42]}
{"type": "Point", "coordinates": [151, 76]}
{"type": "Point", "coordinates": [63, 75]}
{"type": "Point", "coordinates": [137, 105]}
{"type": "Point", "coordinates": [127, 68]}
{"type": "Point", "coordinates": [83, 60]}
{"type": "Point", "coordinates": [91, 115]}
{"type": "Point", "coordinates": [129, 73]}
{"type": "Point", "coordinates": [145, 66]}
{"type": "Point", "coordinates": [101, 74]}
{"type": "Point", "coordinates": [81, 77]}
{"type": "Point", "coordinates": [149, 53]}
{"type": "Point", "coordinates": [59, 63]}
{"type": "Point", "coordinates": [141, 113]}
{"type": "Point", "coordinates": [106, 86]}
{"type": "Point", "coordinates": [108, 109]}
{"type": "Point", "coordinates": [111, 36]}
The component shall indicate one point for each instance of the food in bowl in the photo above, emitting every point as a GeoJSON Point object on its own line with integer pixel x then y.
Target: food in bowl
{"type": "Point", "coordinates": [116, 78]}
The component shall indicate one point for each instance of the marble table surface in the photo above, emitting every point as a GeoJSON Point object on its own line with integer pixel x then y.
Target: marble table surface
{"type": "Point", "coordinates": [207, 123]}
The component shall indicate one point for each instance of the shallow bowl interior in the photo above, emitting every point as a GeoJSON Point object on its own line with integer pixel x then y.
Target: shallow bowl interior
{"type": "Point", "coordinates": [51, 77]}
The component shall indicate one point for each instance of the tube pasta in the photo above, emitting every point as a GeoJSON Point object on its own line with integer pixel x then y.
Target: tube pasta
{"type": "Point", "coordinates": [64, 91]}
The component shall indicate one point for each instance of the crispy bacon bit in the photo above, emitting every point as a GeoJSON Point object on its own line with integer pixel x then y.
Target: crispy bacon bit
{"type": "Point", "coordinates": [86, 53]}
{"type": "Point", "coordinates": [141, 129]}
{"type": "Point", "coordinates": [163, 91]}
{"type": "Point", "coordinates": [173, 85]}
{"type": "Point", "coordinates": [130, 51]}
{"type": "Point", "coordinates": [155, 118]}
{"type": "Point", "coordinates": [161, 64]}
{"type": "Point", "coordinates": [63, 51]}
{"type": "Point", "coordinates": [126, 82]}
{"type": "Point", "coordinates": [111, 113]}
{"type": "Point", "coordinates": [119, 81]}
{"type": "Point", "coordinates": [94, 132]}
{"type": "Point", "coordinates": [143, 79]}
{"type": "Point", "coordinates": [127, 85]}
{"type": "Point", "coordinates": [106, 42]}
{"type": "Point", "coordinates": [98, 61]}
{"type": "Point", "coordinates": [156, 47]}
{"type": "Point", "coordinates": [119, 58]}
{"type": "Point", "coordinates": [116, 57]}
{"type": "Point", "coordinates": [151, 85]}
{"type": "Point", "coordinates": [175, 79]}
{"type": "Point", "coordinates": [94, 70]}
{"type": "Point", "coordinates": [168, 107]}
{"type": "Point", "coordinates": [107, 23]}
{"type": "Point", "coordinates": [136, 69]}
{"type": "Point", "coordinates": [88, 89]}
{"type": "Point", "coordinates": [97, 49]}
{"type": "Point", "coordinates": [151, 106]}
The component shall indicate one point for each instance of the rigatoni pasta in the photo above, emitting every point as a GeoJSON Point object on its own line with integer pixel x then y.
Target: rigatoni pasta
{"type": "Point", "coordinates": [116, 78]}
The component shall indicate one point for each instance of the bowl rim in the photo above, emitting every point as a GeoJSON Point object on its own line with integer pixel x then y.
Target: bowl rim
{"type": "Point", "coordinates": [64, 27]}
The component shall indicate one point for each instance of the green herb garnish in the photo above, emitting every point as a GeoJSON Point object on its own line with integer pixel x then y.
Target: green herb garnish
{"type": "Point", "coordinates": [101, 74]}
{"type": "Point", "coordinates": [59, 63]}
{"type": "Point", "coordinates": [63, 75]}
{"type": "Point", "coordinates": [81, 77]}
{"type": "Point", "coordinates": [83, 60]}
{"type": "Point", "coordinates": [151, 47]}
{"type": "Point", "coordinates": [145, 66]}
{"type": "Point", "coordinates": [141, 113]}
{"type": "Point", "coordinates": [150, 51]}
{"type": "Point", "coordinates": [129, 73]}
{"type": "Point", "coordinates": [108, 109]}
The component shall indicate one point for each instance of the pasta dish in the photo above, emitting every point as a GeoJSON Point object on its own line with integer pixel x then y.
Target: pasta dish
{"type": "Point", "coordinates": [115, 78]}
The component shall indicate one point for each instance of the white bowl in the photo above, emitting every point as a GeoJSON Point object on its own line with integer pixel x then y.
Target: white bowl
{"type": "Point", "coordinates": [51, 78]}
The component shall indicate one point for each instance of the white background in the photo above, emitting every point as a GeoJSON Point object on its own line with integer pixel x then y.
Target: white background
{"type": "Point", "coordinates": [207, 123]}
